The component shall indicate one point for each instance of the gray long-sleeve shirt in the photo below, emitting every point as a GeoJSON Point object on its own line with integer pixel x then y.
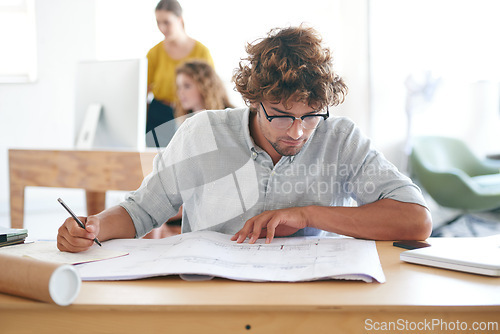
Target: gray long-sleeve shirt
{"type": "Point", "coordinates": [214, 168]}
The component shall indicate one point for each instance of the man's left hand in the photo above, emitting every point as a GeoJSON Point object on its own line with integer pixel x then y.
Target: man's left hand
{"type": "Point", "coordinates": [282, 222]}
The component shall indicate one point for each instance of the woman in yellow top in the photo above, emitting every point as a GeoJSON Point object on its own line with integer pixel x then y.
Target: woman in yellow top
{"type": "Point", "coordinates": [165, 57]}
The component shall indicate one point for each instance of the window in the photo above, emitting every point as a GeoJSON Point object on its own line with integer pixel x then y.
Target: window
{"type": "Point", "coordinates": [18, 58]}
{"type": "Point", "coordinates": [434, 66]}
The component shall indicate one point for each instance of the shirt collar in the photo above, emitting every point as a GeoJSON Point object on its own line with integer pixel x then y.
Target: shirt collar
{"type": "Point", "coordinates": [254, 149]}
{"type": "Point", "coordinates": [246, 129]}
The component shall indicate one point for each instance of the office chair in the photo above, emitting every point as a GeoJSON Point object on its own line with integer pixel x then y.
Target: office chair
{"type": "Point", "coordinates": [453, 176]}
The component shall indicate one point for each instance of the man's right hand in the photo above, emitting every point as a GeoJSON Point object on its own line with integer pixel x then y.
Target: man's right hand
{"type": "Point", "coordinates": [72, 238]}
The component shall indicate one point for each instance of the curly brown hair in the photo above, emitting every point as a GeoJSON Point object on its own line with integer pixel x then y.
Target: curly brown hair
{"type": "Point", "coordinates": [289, 65]}
{"type": "Point", "coordinates": [209, 85]}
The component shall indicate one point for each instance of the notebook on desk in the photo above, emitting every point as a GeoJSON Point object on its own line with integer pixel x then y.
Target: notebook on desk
{"type": "Point", "coordinates": [12, 236]}
{"type": "Point", "coordinates": [473, 255]}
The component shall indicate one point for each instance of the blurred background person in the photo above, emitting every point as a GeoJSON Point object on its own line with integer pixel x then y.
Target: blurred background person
{"type": "Point", "coordinates": [199, 88]}
{"type": "Point", "coordinates": [163, 59]}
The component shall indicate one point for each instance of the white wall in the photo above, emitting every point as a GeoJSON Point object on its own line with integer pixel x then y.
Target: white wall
{"type": "Point", "coordinates": [40, 115]}
{"type": "Point", "coordinates": [230, 25]}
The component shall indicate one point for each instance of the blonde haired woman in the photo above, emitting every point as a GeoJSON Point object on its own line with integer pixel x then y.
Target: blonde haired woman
{"type": "Point", "coordinates": [199, 88]}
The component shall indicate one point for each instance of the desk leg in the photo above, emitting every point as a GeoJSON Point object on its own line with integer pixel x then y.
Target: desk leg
{"type": "Point", "coordinates": [16, 205]}
{"type": "Point", "coordinates": [96, 201]}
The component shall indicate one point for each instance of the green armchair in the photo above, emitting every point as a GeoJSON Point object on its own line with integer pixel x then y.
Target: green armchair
{"type": "Point", "coordinates": [453, 176]}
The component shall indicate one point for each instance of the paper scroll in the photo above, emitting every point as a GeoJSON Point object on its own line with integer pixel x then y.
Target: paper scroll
{"type": "Point", "coordinates": [40, 280]}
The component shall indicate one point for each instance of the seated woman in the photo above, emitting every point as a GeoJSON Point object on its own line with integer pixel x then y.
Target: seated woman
{"type": "Point", "coordinates": [198, 88]}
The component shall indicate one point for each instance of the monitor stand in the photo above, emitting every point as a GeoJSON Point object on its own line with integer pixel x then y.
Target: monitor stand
{"type": "Point", "coordinates": [85, 139]}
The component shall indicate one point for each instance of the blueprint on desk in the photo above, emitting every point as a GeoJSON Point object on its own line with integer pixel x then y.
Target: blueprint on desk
{"type": "Point", "coordinates": [213, 254]}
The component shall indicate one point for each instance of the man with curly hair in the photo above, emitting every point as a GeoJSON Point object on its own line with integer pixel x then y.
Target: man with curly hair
{"type": "Point", "coordinates": [282, 166]}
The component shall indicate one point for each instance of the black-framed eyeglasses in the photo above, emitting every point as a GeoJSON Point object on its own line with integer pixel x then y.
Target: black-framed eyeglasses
{"type": "Point", "coordinates": [309, 122]}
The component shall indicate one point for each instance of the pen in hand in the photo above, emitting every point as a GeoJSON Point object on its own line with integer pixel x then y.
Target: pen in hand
{"type": "Point", "coordinates": [78, 221]}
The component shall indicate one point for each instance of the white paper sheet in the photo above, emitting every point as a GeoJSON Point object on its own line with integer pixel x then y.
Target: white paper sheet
{"type": "Point", "coordinates": [47, 251]}
{"type": "Point", "coordinates": [214, 254]}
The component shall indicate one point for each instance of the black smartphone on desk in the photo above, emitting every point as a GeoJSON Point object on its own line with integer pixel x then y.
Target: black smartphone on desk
{"type": "Point", "coordinates": [411, 244]}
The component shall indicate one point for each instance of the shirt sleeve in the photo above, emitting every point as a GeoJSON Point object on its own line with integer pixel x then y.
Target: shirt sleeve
{"type": "Point", "coordinates": [372, 177]}
{"type": "Point", "coordinates": [155, 201]}
{"type": "Point", "coordinates": [160, 195]}
{"type": "Point", "coordinates": [158, 198]}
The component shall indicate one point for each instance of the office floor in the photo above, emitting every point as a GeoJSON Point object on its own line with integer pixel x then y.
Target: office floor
{"type": "Point", "coordinates": [468, 225]}
{"type": "Point", "coordinates": [44, 215]}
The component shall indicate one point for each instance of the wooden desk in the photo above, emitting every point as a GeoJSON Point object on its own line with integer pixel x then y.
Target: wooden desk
{"type": "Point", "coordinates": [94, 171]}
{"type": "Point", "coordinates": [412, 295]}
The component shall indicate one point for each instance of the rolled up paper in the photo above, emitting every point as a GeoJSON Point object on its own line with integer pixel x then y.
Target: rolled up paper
{"type": "Point", "coordinates": [45, 281]}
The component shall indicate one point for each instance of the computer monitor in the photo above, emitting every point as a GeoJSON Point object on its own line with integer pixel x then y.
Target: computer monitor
{"type": "Point", "coordinates": [111, 100]}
